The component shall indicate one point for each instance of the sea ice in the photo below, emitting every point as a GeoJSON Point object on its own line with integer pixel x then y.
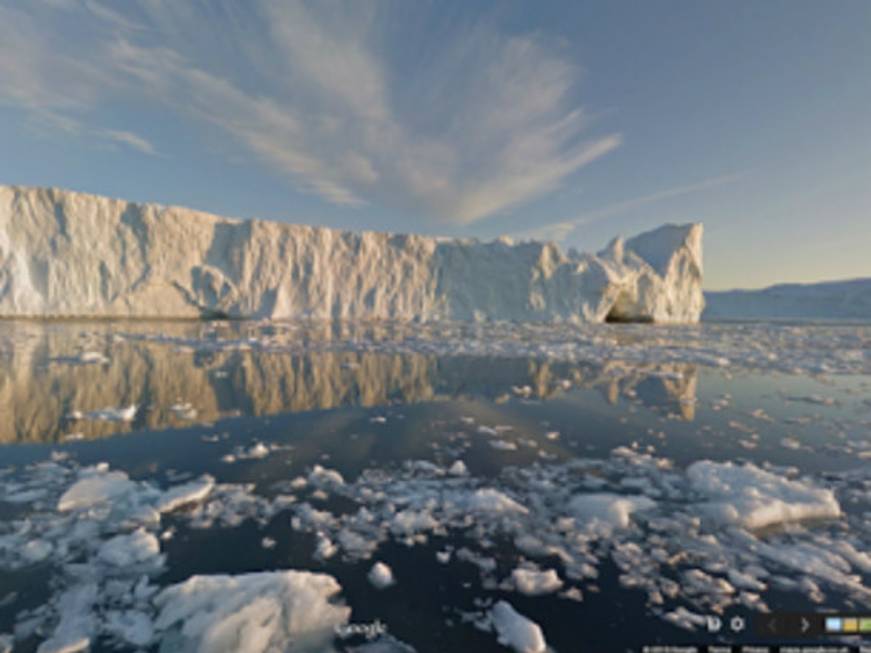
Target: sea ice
{"type": "Point", "coordinates": [381, 576]}
{"type": "Point", "coordinates": [603, 512]}
{"type": "Point", "coordinates": [533, 582]}
{"type": "Point", "coordinates": [258, 612]}
{"type": "Point", "coordinates": [516, 631]}
{"type": "Point", "coordinates": [138, 547]}
{"type": "Point", "coordinates": [754, 498]}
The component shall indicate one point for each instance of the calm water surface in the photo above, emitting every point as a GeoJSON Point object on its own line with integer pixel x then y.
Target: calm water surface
{"type": "Point", "coordinates": [342, 398]}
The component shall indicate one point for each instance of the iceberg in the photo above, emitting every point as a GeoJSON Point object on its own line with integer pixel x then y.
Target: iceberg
{"type": "Point", "coordinates": [69, 254]}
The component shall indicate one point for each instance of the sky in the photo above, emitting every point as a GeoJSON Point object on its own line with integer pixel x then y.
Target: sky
{"type": "Point", "coordinates": [568, 121]}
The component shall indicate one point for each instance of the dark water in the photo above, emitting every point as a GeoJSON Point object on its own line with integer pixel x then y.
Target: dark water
{"type": "Point", "coordinates": [357, 406]}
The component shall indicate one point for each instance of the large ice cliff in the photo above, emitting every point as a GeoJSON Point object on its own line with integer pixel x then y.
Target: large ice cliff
{"type": "Point", "coordinates": [66, 254]}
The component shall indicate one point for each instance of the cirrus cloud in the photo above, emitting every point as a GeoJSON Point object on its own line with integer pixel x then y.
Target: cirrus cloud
{"type": "Point", "coordinates": [356, 102]}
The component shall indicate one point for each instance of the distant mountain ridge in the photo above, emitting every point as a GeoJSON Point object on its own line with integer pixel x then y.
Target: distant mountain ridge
{"type": "Point", "coordinates": [849, 299]}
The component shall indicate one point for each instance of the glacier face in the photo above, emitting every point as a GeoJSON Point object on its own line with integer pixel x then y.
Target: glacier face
{"type": "Point", "coordinates": [68, 254]}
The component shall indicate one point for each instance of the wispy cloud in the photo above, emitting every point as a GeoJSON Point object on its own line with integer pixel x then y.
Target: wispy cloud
{"type": "Point", "coordinates": [129, 139]}
{"type": "Point", "coordinates": [455, 120]}
{"type": "Point", "coordinates": [559, 231]}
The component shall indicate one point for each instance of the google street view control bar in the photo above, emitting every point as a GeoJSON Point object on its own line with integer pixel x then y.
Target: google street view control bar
{"type": "Point", "coordinates": [757, 648]}
{"type": "Point", "coordinates": [812, 625]}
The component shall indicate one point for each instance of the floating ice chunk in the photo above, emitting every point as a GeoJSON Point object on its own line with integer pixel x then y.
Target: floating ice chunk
{"type": "Point", "coordinates": [131, 626]}
{"type": "Point", "coordinates": [77, 625]}
{"type": "Point", "coordinates": [381, 576]}
{"type": "Point", "coordinates": [604, 512]}
{"type": "Point", "coordinates": [515, 630]}
{"type": "Point", "coordinates": [6, 642]}
{"type": "Point", "coordinates": [25, 496]}
{"type": "Point", "coordinates": [745, 580]}
{"type": "Point", "coordinates": [754, 498]}
{"type": "Point", "coordinates": [260, 612]}
{"type": "Point", "coordinates": [534, 583]}
{"type": "Point", "coordinates": [125, 550]}
{"type": "Point", "coordinates": [489, 500]}
{"type": "Point", "coordinates": [410, 522]}
{"type": "Point", "coordinates": [458, 469]}
{"type": "Point", "coordinates": [37, 550]}
{"type": "Point", "coordinates": [268, 543]}
{"type": "Point", "coordinates": [503, 445]}
{"type": "Point", "coordinates": [325, 478]}
{"type": "Point", "coordinates": [257, 451]}
{"type": "Point", "coordinates": [325, 548]}
{"type": "Point", "coordinates": [685, 619]}
{"type": "Point", "coordinates": [188, 493]}
{"type": "Point", "coordinates": [96, 487]}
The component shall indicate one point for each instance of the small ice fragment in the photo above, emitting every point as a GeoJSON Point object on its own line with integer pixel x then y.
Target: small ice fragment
{"type": "Point", "coordinates": [381, 576]}
{"type": "Point", "coordinates": [489, 500]}
{"type": "Point", "coordinates": [125, 550]}
{"type": "Point", "coordinates": [535, 583]}
{"type": "Point", "coordinates": [607, 511]}
{"type": "Point", "coordinates": [131, 626]}
{"type": "Point", "coordinates": [458, 469]}
{"type": "Point", "coordinates": [443, 557]}
{"type": "Point", "coordinates": [188, 493]}
{"type": "Point", "coordinates": [95, 488]}
{"type": "Point", "coordinates": [515, 630]}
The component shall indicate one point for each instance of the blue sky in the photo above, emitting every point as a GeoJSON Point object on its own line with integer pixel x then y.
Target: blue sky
{"type": "Point", "coordinates": [572, 121]}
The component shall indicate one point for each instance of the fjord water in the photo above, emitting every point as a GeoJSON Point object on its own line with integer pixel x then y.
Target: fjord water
{"type": "Point", "coordinates": [537, 415]}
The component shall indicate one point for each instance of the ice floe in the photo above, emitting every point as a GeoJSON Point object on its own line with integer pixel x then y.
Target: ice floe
{"type": "Point", "coordinates": [258, 612]}
{"type": "Point", "coordinates": [754, 498]}
{"type": "Point", "coordinates": [381, 576]}
{"type": "Point", "coordinates": [516, 631]}
{"type": "Point", "coordinates": [692, 540]}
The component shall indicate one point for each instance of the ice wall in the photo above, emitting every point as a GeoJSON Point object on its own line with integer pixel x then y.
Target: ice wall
{"type": "Point", "coordinates": [66, 254]}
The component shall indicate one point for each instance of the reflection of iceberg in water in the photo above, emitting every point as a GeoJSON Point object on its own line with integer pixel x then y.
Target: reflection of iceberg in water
{"type": "Point", "coordinates": [49, 373]}
{"type": "Point", "coordinates": [668, 387]}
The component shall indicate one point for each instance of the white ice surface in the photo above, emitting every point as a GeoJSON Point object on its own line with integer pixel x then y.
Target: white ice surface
{"type": "Point", "coordinates": [754, 498]}
{"type": "Point", "coordinates": [516, 631]}
{"type": "Point", "coordinates": [667, 539]}
{"type": "Point", "coordinates": [70, 254]}
{"type": "Point", "coordinates": [603, 512]}
{"type": "Point", "coordinates": [533, 582]}
{"type": "Point", "coordinates": [289, 611]}
{"type": "Point", "coordinates": [381, 576]}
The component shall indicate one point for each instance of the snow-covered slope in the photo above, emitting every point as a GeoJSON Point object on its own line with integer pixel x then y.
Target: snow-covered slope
{"type": "Point", "coordinates": [829, 300]}
{"type": "Point", "coordinates": [72, 254]}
